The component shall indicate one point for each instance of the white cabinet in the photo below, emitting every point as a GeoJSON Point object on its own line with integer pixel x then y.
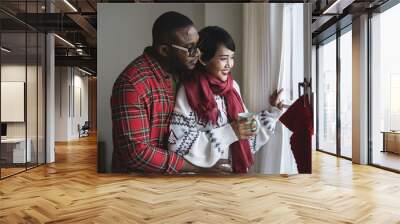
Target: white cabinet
{"type": "Point", "coordinates": [15, 148]}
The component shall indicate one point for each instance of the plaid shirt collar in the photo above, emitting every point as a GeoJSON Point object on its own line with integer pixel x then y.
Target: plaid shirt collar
{"type": "Point", "coordinates": [159, 72]}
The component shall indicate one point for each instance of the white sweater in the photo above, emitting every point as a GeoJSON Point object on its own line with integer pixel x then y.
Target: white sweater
{"type": "Point", "coordinates": [204, 144]}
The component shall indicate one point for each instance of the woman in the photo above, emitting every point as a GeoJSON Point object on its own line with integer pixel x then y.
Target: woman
{"type": "Point", "coordinates": [204, 126]}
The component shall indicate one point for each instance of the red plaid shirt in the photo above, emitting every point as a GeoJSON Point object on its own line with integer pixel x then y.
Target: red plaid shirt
{"type": "Point", "coordinates": [142, 102]}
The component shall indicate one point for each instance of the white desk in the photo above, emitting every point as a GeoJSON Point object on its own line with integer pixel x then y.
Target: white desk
{"type": "Point", "coordinates": [16, 147]}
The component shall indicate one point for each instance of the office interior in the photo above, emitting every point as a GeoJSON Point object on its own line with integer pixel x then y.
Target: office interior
{"type": "Point", "coordinates": [49, 82]}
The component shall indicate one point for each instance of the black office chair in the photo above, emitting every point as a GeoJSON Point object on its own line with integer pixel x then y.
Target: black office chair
{"type": "Point", "coordinates": [84, 130]}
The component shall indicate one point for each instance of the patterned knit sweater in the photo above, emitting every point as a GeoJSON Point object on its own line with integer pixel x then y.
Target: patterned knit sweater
{"type": "Point", "coordinates": [203, 144]}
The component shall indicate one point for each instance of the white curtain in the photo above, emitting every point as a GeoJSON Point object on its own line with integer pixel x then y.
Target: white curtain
{"type": "Point", "coordinates": [272, 59]}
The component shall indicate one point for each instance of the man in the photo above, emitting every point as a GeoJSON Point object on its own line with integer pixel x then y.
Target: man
{"type": "Point", "coordinates": [143, 98]}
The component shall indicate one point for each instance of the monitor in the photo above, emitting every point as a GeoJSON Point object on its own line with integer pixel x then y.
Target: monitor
{"type": "Point", "coordinates": [3, 129]}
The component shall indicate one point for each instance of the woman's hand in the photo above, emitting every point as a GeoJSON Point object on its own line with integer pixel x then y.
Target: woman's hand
{"type": "Point", "coordinates": [243, 128]}
{"type": "Point", "coordinates": [275, 99]}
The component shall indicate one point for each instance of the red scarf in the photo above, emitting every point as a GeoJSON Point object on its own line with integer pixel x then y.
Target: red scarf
{"type": "Point", "coordinates": [200, 91]}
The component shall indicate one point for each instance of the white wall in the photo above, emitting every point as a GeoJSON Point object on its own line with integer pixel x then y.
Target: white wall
{"type": "Point", "coordinates": [80, 83]}
{"type": "Point", "coordinates": [15, 73]}
{"type": "Point", "coordinates": [119, 44]}
{"type": "Point", "coordinates": [61, 103]}
{"type": "Point", "coordinates": [67, 81]}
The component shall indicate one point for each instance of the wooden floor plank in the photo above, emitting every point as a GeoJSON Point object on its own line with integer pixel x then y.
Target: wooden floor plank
{"type": "Point", "coordinates": [71, 191]}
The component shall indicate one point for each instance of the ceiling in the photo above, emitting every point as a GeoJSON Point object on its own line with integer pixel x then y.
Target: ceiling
{"type": "Point", "coordinates": [332, 15]}
{"type": "Point", "coordinates": [76, 22]}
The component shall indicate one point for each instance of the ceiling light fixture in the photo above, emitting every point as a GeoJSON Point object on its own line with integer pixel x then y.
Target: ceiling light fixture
{"type": "Point", "coordinates": [332, 8]}
{"type": "Point", "coordinates": [5, 50]}
{"type": "Point", "coordinates": [86, 72]}
{"type": "Point", "coordinates": [65, 41]}
{"type": "Point", "coordinates": [70, 5]}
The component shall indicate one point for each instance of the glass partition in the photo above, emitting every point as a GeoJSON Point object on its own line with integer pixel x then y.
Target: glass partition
{"type": "Point", "coordinates": [14, 153]}
{"type": "Point", "coordinates": [22, 88]}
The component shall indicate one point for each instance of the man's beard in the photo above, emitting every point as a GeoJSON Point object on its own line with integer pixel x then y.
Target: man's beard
{"type": "Point", "coordinates": [176, 65]}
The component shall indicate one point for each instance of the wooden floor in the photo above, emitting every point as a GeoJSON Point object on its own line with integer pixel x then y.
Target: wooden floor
{"type": "Point", "coordinates": [5, 172]}
{"type": "Point", "coordinates": [71, 191]}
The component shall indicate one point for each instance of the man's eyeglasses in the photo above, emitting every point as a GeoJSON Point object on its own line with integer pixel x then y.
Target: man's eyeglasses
{"type": "Point", "coordinates": [191, 51]}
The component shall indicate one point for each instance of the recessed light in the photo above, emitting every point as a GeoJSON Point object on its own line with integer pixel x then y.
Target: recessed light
{"type": "Point", "coordinates": [64, 40]}
{"type": "Point", "coordinates": [84, 71]}
{"type": "Point", "coordinates": [333, 7]}
{"type": "Point", "coordinates": [70, 5]}
{"type": "Point", "coordinates": [5, 50]}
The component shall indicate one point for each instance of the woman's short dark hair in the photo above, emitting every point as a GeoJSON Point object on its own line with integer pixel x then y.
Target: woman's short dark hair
{"type": "Point", "coordinates": [165, 26]}
{"type": "Point", "coordinates": [210, 38]}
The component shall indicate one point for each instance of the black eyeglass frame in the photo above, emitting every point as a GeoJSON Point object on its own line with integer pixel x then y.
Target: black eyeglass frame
{"type": "Point", "coordinates": [191, 51]}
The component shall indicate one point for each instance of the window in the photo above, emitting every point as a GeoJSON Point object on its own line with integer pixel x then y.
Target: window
{"type": "Point", "coordinates": [334, 94]}
{"type": "Point", "coordinates": [385, 88]}
{"type": "Point", "coordinates": [327, 96]}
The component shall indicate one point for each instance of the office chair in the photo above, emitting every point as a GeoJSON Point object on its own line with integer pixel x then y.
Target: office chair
{"type": "Point", "coordinates": [84, 130]}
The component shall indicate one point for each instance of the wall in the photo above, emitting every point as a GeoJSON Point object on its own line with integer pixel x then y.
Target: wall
{"type": "Point", "coordinates": [70, 84]}
{"type": "Point", "coordinates": [82, 115]}
{"type": "Point", "coordinates": [92, 96]}
{"type": "Point", "coordinates": [62, 80]}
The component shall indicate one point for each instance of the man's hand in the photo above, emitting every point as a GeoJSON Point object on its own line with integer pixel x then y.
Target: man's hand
{"type": "Point", "coordinates": [275, 99]}
{"type": "Point", "coordinates": [243, 128]}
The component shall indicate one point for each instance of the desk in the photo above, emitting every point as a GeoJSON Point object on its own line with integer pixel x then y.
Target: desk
{"type": "Point", "coordinates": [13, 150]}
{"type": "Point", "coordinates": [391, 141]}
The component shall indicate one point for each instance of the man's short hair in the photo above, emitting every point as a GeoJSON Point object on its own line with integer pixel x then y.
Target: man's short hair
{"type": "Point", "coordinates": [165, 26]}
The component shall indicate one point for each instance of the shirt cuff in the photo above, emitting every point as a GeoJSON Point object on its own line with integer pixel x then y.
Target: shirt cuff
{"type": "Point", "coordinates": [175, 163]}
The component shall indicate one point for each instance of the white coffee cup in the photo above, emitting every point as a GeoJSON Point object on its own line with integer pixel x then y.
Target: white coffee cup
{"type": "Point", "coordinates": [248, 116]}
